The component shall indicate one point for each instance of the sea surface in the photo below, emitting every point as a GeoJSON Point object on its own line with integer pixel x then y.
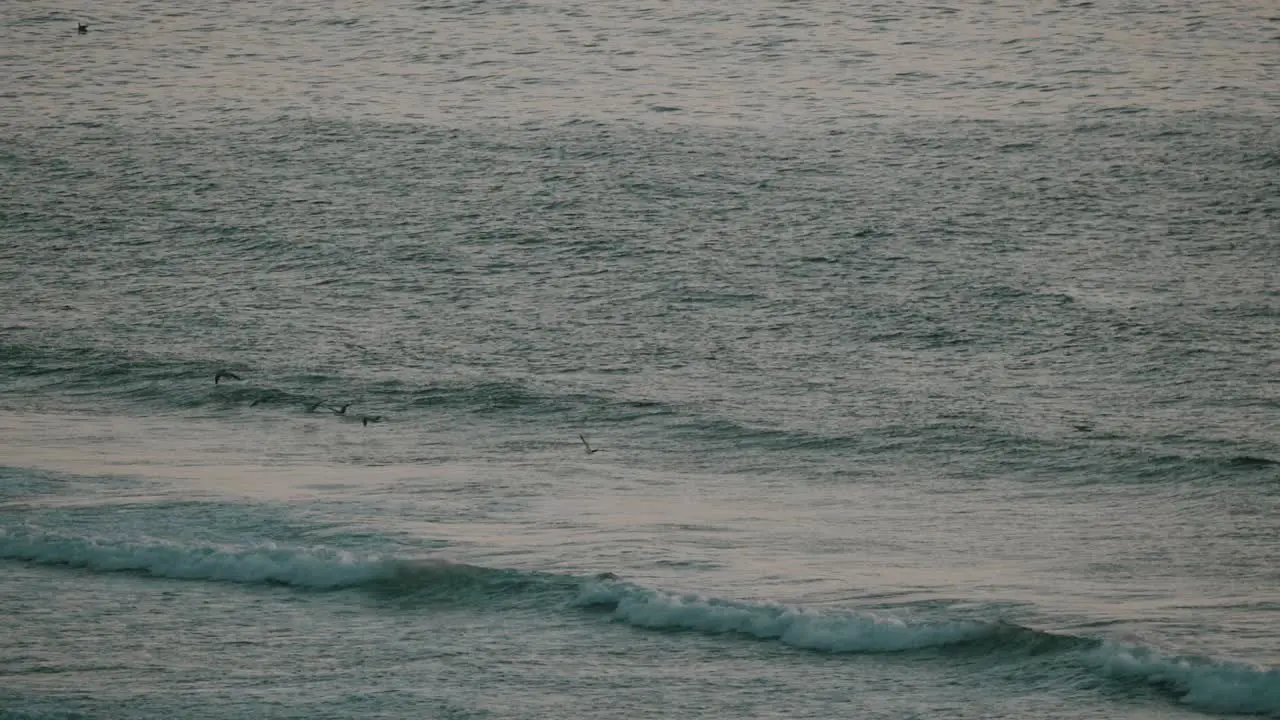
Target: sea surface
{"type": "Point", "coordinates": [930, 354]}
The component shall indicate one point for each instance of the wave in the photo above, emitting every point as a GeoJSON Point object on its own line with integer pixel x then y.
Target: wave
{"type": "Point", "coordinates": [1209, 684]}
{"type": "Point", "coordinates": [177, 383]}
{"type": "Point", "coordinates": [308, 568]}
{"type": "Point", "coordinates": [332, 569]}
{"type": "Point", "coordinates": [17, 483]}
{"type": "Point", "coordinates": [1147, 467]}
{"type": "Point", "coordinates": [792, 626]}
{"type": "Point", "coordinates": [1204, 683]}
{"type": "Point", "coordinates": [311, 568]}
{"type": "Point", "coordinates": [1250, 461]}
{"type": "Point", "coordinates": [101, 378]}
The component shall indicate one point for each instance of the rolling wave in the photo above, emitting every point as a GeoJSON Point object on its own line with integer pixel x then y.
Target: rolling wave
{"type": "Point", "coordinates": [1204, 683]}
{"type": "Point", "coordinates": [134, 382]}
{"type": "Point", "coordinates": [177, 383]}
{"type": "Point", "coordinates": [305, 568]}
{"type": "Point", "coordinates": [837, 633]}
{"type": "Point", "coordinates": [321, 569]}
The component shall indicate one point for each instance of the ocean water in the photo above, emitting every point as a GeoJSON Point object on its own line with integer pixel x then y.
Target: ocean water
{"type": "Point", "coordinates": [930, 353]}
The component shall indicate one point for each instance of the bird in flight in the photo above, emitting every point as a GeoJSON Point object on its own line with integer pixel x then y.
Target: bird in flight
{"type": "Point", "coordinates": [340, 411]}
{"type": "Point", "coordinates": [218, 376]}
{"type": "Point", "coordinates": [588, 445]}
{"type": "Point", "coordinates": [366, 419]}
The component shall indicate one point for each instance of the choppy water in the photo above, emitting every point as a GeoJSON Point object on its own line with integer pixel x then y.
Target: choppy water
{"type": "Point", "coordinates": [930, 351]}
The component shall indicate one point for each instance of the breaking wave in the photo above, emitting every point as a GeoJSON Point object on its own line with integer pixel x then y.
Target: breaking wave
{"type": "Point", "coordinates": [798, 627]}
{"type": "Point", "coordinates": [1205, 683]}
{"type": "Point", "coordinates": [1209, 684]}
{"type": "Point", "coordinates": [312, 568]}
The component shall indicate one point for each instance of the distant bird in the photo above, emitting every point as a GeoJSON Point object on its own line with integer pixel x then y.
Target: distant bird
{"type": "Point", "coordinates": [366, 419]}
{"type": "Point", "coordinates": [82, 28]}
{"type": "Point", "coordinates": [217, 377]}
{"type": "Point", "coordinates": [588, 445]}
{"type": "Point", "coordinates": [312, 407]}
{"type": "Point", "coordinates": [1084, 427]}
{"type": "Point", "coordinates": [340, 411]}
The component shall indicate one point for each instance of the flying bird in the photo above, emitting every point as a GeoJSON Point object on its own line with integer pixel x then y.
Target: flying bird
{"type": "Point", "coordinates": [312, 407]}
{"type": "Point", "coordinates": [340, 411]}
{"type": "Point", "coordinates": [588, 445]}
{"type": "Point", "coordinates": [366, 419]}
{"type": "Point", "coordinates": [82, 28]}
{"type": "Point", "coordinates": [218, 376]}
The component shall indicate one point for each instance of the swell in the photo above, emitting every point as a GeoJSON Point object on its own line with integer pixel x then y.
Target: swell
{"type": "Point", "coordinates": [1202, 682]}
{"type": "Point", "coordinates": [322, 569]}
{"type": "Point", "coordinates": [175, 383]}
{"type": "Point", "coordinates": [1206, 683]}
{"type": "Point", "coordinates": [147, 383]}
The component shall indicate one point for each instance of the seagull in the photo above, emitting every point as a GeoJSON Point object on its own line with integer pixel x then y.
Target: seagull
{"type": "Point", "coordinates": [82, 28]}
{"type": "Point", "coordinates": [588, 446]}
{"type": "Point", "coordinates": [217, 377]}
{"type": "Point", "coordinates": [366, 419]}
{"type": "Point", "coordinates": [340, 411]}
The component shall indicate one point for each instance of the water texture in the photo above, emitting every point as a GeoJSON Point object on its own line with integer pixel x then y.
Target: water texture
{"type": "Point", "coordinates": [928, 352]}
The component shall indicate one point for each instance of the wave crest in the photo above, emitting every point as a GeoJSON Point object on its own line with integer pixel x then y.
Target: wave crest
{"type": "Point", "coordinates": [1209, 684]}
{"type": "Point", "coordinates": [810, 630]}
{"type": "Point", "coordinates": [268, 563]}
{"type": "Point", "coordinates": [1205, 683]}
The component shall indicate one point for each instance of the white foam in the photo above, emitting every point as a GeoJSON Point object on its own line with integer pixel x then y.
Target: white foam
{"type": "Point", "coordinates": [831, 632]}
{"type": "Point", "coordinates": [1204, 683]}
{"type": "Point", "coordinates": [314, 568]}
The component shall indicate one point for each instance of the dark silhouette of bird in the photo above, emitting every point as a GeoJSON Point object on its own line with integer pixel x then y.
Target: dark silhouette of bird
{"type": "Point", "coordinates": [312, 407]}
{"type": "Point", "coordinates": [1083, 427]}
{"type": "Point", "coordinates": [218, 376]}
{"type": "Point", "coordinates": [588, 445]}
{"type": "Point", "coordinates": [82, 28]}
{"type": "Point", "coordinates": [366, 419]}
{"type": "Point", "coordinates": [340, 411]}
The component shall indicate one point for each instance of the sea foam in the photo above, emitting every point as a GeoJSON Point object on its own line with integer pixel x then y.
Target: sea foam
{"type": "Point", "coordinates": [1205, 683]}
{"type": "Point", "coordinates": [1210, 684]}
{"type": "Point", "coordinates": [798, 627]}
{"type": "Point", "coordinates": [318, 568]}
